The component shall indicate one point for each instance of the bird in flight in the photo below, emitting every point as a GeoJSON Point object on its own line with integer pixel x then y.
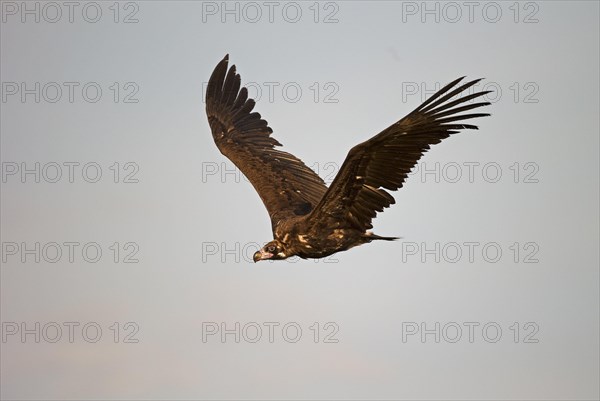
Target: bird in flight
{"type": "Point", "coordinates": [309, 219]}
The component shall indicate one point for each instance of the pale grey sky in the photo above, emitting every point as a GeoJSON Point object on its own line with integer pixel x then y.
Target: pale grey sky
{"type": "Point", "coordinates": [499, 252]}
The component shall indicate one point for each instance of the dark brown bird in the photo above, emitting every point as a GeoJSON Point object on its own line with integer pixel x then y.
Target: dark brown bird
{"type": "Point", "coordinates": [307, 218]}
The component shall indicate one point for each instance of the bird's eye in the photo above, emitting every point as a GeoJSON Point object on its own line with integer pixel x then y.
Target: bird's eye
{"type": "Point", "coordinates": [271, 248]}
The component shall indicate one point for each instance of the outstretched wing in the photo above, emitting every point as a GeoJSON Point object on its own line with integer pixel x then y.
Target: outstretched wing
{"type": "Point", "coordinates": [287, 187]}
{"type": "Point", "coordinates": [383, 162]}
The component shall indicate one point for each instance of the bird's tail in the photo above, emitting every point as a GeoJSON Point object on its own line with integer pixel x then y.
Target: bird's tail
{"type": "Point", "coordinates": [370, 236]}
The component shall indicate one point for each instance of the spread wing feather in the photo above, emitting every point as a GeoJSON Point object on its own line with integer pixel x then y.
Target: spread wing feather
{"type": "Point", "coordinates": [383, 162]}
{"type": "Point", "coordinates": [287, 187]}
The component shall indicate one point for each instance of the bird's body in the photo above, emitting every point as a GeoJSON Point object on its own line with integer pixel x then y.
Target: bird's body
{"type": "Point", "coordinates": [300, 237]}
{"type": "Point", "coordinates": [308, 219]}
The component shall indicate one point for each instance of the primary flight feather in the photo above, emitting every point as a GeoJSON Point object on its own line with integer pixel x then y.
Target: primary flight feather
{"type": "Point", "coordinates": [308, 219]}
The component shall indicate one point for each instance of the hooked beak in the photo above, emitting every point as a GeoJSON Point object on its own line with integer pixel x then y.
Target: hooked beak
{"type": "Point", "coordinates": [261, 255]}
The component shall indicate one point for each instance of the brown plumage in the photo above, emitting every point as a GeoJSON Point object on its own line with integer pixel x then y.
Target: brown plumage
{"type": "Point", "coordinates": [307, 218]}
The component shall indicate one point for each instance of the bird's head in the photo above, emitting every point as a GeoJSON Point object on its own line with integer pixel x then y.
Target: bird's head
{"type": "Point", "coordinates": [273, 250]}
